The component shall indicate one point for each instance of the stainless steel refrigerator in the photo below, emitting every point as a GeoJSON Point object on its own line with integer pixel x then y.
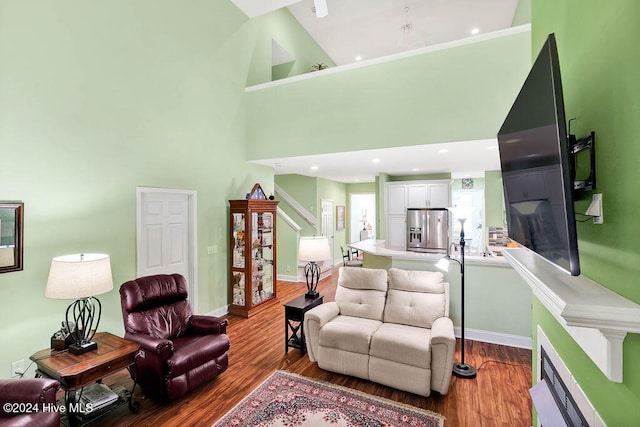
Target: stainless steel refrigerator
{"type": "Point", "coordinates": [428, 230]}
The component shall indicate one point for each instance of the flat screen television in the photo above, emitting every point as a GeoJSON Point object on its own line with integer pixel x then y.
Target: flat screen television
{"type": "Point", "coordinates": [536, 166]}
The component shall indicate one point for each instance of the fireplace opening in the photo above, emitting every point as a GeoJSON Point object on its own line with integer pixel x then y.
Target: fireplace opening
{"type": "Point", "coordinates": [553, 401]}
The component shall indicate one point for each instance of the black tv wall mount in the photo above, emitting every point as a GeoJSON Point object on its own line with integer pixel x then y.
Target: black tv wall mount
{"type": "Point", "coordinates": [578, 145]}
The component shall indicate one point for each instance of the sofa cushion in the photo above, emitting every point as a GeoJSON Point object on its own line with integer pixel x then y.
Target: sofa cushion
{"type": "Point", "coordinates": [403, 344]}
{"type": "Point", "coordinates": [416, 298]}
{"type": "Point", "coordinates": [349, 333]}
{"type": "Point", "coordinates": [361, 292]}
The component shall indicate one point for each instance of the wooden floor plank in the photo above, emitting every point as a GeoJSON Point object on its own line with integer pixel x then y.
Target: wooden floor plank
{"type": "Point", "coordinates": [498, 396]}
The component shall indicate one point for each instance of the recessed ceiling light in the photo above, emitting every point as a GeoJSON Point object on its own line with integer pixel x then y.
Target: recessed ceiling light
{"type": "Point", "coordinates": [492, 147]}
{"type": "Point", "coordinates": [475, 31]}
{"type": "Point", "coordinates": [415, 169]}
{"type": "Point", "coordinates": [376, 160]}
{"type": "Point", "coordinates": [443, 150]}
{"type": "Point", "coordinates": [358, 58]}
{"type": "Point", "coordinates": [314, 168]}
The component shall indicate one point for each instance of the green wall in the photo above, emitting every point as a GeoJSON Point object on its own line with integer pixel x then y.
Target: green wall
{"type": "Point", "coordinates": [303, 190]}
{"type": "Point", "coordinates": [493, 199]}
{"type": "Point", "coordinates": [381, 226]}
{"type": "Point", "coordinates": [362, 187]}
{"type": "Point", "coordinates": [97, 98]}
{"type": "Point", "coordinates": [599, 64]}
{"type": "Point", "coordinates": [523, 13]}
{"type": "Point", "coordinates": [456, 94]}
{"type": "Point", "coordinates": [285, 29]}
{"type": "Point", "coordinates": [394, 178]}
{"type": "Point", "coordinates": [309, 192]}
{"type": "Point", "coordinates": [287, 249]}
{"type": "Point", "coordinates": [496, 298]}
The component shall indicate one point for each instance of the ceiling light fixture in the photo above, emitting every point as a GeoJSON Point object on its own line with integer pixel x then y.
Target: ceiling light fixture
{"type": "Point", "coordinates": [475, 31]}
{"type": "Point", "coordinates": [358, 58]}
{"type": "Point", "coordinates": [314, 168]}
{"type": "Point", "coordinates": [407, 26]}
{"type": "Point", "coordinates": [443, 150]}
{"type": "Point", "coordinates": [376, 160]}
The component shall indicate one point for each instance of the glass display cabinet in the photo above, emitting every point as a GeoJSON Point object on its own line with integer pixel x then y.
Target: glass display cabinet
{"type": "Point", "coordinates": [253, 253]}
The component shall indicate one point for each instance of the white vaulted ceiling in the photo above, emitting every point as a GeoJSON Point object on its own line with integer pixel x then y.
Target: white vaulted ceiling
{"type": "Point", "coordinates": [374, 28]}
{"type": "Point", "coordinates": [371, 29]}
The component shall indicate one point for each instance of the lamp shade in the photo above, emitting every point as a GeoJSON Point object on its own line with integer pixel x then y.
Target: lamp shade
{"type": "Point", "coordinates": [314, 248]}
{"type": "Point", "coordinates": [443, 263]}
{"type": "Point", "coordinates": [79, 276]}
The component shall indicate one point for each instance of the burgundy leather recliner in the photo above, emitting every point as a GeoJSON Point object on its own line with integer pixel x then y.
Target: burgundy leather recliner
{"type": "Point", "coordinates": [29, 402]}
{"type": "Point", "coordinates": [179, 351]}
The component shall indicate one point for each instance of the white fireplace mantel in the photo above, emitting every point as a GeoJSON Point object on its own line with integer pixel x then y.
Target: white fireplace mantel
{"type": "Point", "coordinates": [597, 318]}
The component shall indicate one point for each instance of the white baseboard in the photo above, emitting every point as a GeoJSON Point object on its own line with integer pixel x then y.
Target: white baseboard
{"type": "Point", "coordinates": [218, 311]}
{"type": "Point", "coordinates": [472, 334]}
{"type": "Point", "coordinates": [301, 278]}
{"type": "Point", "coordinates": [287, 278]}
{"type": "Point", "coordinates": [495, 338]}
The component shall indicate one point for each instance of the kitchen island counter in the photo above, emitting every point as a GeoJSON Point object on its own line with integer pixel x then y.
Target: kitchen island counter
{"type": "Point", "coordinates": [378, 248]}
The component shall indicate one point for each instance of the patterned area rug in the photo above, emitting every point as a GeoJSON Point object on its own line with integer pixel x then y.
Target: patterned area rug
{"type": "Point", "coordinates": [287, 399]}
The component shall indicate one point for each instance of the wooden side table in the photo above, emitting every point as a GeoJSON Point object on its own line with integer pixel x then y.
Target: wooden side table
{"type": "Point", "coordinates": [74, 372]}
{"type": "Point", "coordinates": [294, 312]}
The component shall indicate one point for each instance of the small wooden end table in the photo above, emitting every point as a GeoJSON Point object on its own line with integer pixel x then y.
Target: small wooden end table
{"type": "Point", "coordinates": [294, 312]}
{"type": "Point", "coordinates": [74, 372]}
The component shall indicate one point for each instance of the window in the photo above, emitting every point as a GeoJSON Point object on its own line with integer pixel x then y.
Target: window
{"type": "Point", "coordinates": [471, 201]}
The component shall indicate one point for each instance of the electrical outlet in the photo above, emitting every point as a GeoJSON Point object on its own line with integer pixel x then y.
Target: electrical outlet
{"type": "Point", "coordinates": [598, 219]}
{"type": "Point", "coordinates": [212, 250]}
{"type": "Point", "coordinates": [17, 368]}
{"type": "Point", "coordinates": [288, 269]}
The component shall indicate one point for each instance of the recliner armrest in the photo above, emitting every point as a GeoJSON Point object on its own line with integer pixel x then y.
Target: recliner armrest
{"type": "Point", "coordinates": [442, 331]}
{"type": "Point", "coordinates": [443, 347]}
{"type": "Point", "coordinates": [209, 324]}
{"type": "Point", "coordinates": [323, 313]}
{"type": "Point", "coordinates": [28, 390]}
{"type": "Point", "coordinates": [161, 347]}
{"type": "Point", "coordinates": [314, 320]}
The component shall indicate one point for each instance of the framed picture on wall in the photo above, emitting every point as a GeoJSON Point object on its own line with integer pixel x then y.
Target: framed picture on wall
{"type": "Point", "coordinates": [339, 218]}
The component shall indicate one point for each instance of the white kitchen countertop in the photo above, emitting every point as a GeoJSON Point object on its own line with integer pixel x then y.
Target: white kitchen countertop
{"type": "Point", "coordinates": [377, 247]}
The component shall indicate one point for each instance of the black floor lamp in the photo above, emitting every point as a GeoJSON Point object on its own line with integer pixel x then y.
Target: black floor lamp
{"type": "Point", "coordinates": [460, 369]}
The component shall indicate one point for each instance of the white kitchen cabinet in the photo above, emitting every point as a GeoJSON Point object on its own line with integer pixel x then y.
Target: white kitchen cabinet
{"type": "Point", "coordinates": [436, 194]}
{"type": "Point", "coordinates": [397, 232]}
{"type": "Point", "coordinates": [396, 199]}
{"type": "Point", "coordinates": [411, 194]}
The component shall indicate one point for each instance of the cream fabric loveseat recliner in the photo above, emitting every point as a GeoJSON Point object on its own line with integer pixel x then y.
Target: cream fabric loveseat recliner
{"type": "Point", "coordinates": [391, 328]}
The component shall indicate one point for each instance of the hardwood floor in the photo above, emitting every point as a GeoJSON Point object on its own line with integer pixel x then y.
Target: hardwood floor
{"type": "Point", "coordinates": [498, 396]}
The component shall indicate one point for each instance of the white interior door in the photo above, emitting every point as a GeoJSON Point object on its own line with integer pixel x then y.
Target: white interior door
{"type": "Point", "coordinates": [166, 234]}
{"type": "Point", "coordinates": [327, 223]}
